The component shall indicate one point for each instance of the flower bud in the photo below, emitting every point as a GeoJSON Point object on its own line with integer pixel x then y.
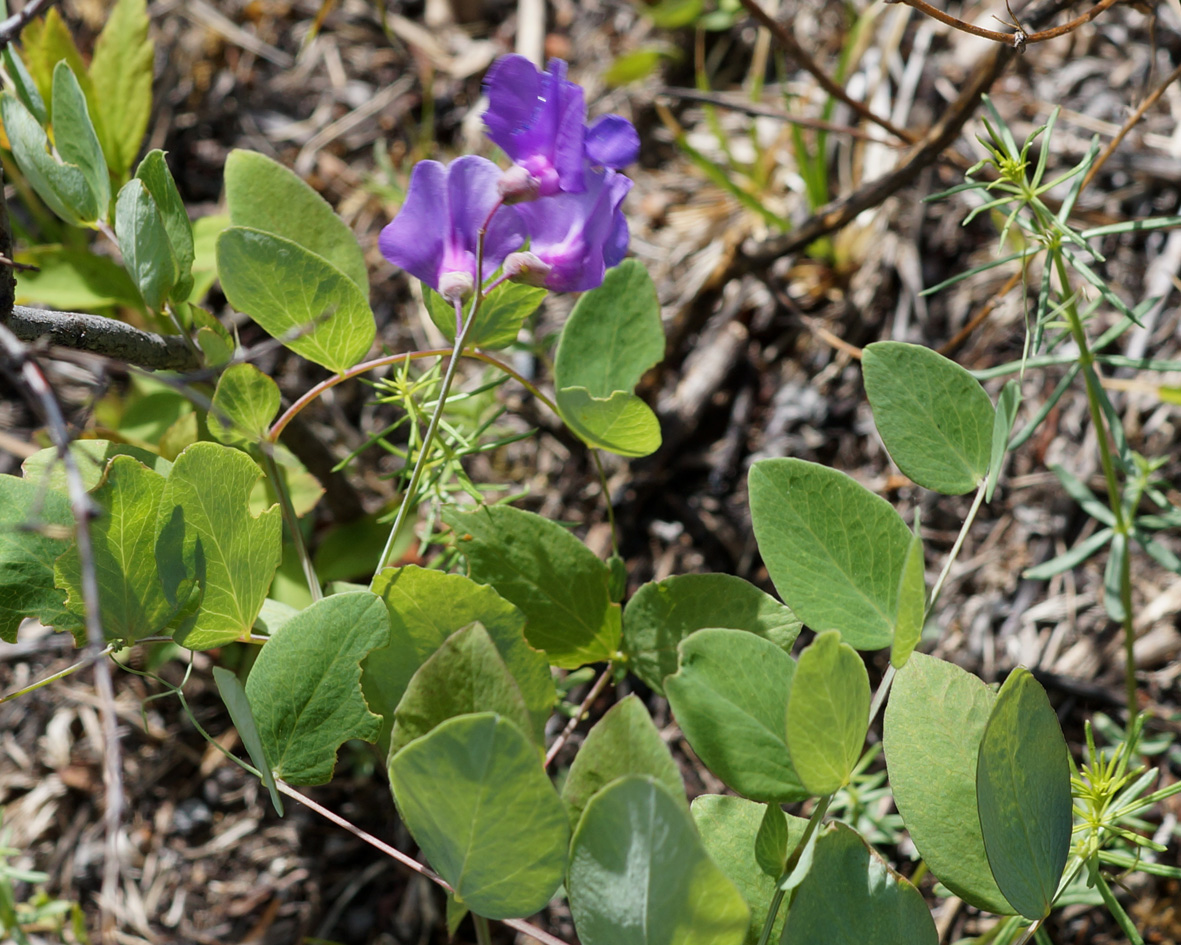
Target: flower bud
{"type": "Point", "coordinates": [518, 184]}
{"type": "Point", "coordinates": [526, 268]}
{"type": "Point", "coordinates": [456, 286]}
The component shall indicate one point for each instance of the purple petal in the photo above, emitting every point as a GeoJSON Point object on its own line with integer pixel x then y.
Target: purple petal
{"type": "Point", "coordinates": [513, 86]}
{"type": "Point", "coordinates": [414, 240]}
{"type": "Point", "coordinates": [472, 192]}
{"type": "Point", "coordinates": [568, 114]}
{"type": "Point", "coordinates": [612, 141]}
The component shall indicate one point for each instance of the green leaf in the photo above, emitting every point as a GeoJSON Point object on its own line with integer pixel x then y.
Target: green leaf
{"type": "Point", "coordinates": [264, 195]}
{"type": "Point", "coordinates": [620, 423]}
{"type": "Point", "coordinates": [613, 335]}
{"type": "Point", "coordinates": [674, 14]}
{"type": "Point", "coordinates": [730, 830]}
{"type": "Point", "coordinates": [63, 187]}
{"type": "Point", "coordinates": [912, 605]}
{"type": "Point", "coordinates": [302, 487]}
{"type": "Point", "coordinates": [75, 138]}
{"type": "Point", "coordinates": [234, 696]}
{"type": "Point", "coordinates": [153, 171]}
{"type": "Point", "coordinates": [729, 697]}
{"type": "Point", "coordinates": [499, 320]}
{"type": "Point", "coordinates": [934, 417]}
{"type": "Point", "coordinates": [24, 85]}
{"type": "Point", "coordinates": [145, 581]}
{"type": "Point", "coordinates": [477, 801]}
{"type": "Point", "coordinates": [558, 583]}
{"type": "Point", "coordinates": [661, 614]}
{"type": "Point", "coordinates": [71, 279]}
{"type": "Point", "coordinates": [206, 230]}
{"type": "Point", "coordinates": [1071, 558]}
{"type": "Point", "coordinates": [640, 875]}
{"type": "Point", "coordinates": [827, 713]}
{"type": "Point", "coordinates": [244, 404]}
{"type": "Point", "coordinates": [463, 676]}
{"type": "Point", "coordinates": [211, 484]}
{"type": "Point", "coordinates": [144, 243]}
{"type": "Point", "coordinates": [296, 296]}
{"type": "Point", "coordinates": [91, 456]}
{"type": "Point", "coordinates": [305, 687]}
{"type": "Point", "coordinates": [1006, 415]}
{"type": "Point", "coordinates": [346, 552]}
{"type": "Point", "coordinates": [1023, 790]}
{"type": "Point", "coordinates": [46, 43]}
{"type": "Point", "coordinates": [834, 549]}
{"type": "Point", "coordinates": [636, 65]}
{"type": "Point", "coordinates": [36, 526]}
{"type": "Point", "coordinates": [773, 842]}
{"type": "Point", "coordinates": [623, 742]}
{"type": "Point", "coordinates": [425, 607]}
{"type": "Point", "coordinates": [122, 75]}
{"type": "Point", "coordinates": [852, 897]}
{"type": "Point", "coordinates": [934, 722]}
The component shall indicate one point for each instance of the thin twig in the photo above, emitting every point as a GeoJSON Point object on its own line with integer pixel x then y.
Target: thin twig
{"type": "Point", "coordinates": [10, 29]}
{"type": "Point", "coordinates": [766, 111]}
{"type": "Point", "coordinates": [20, 363]}
{"type": "Point", "coordinates": [1133, 119]}
{"type": "Point", "coordinates": [797, 52]}
{"type": "Point", "coordinates": [408, 861]}
{"type": "Point", "coordinates": [578, 716]}
{"type": "Point", "coordinates": [985, 310]}
{"type": "Point", "coordinates": [1018, 39]}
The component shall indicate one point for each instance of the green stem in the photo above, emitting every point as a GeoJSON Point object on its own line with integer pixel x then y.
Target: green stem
{"type": "Point", "coordinates": [880, 696]}
{"type": "Point", "coordinates": [291, 521]}
{"type": "Point", "coordinates": [793, 861]}
{"type": "Point", "coordinates": [606, 499]}
{"type": "Point", "coordinates": [1086, 358]}
{"type": "Point", "coordinates": [483, 933]}
{"type": "Point", "coordinates": [62, 674]}
{"type": "Point", "coordinates": [955, 549]}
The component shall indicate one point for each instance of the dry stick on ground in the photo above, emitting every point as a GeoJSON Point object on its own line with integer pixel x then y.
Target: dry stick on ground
{"type": "Point", "coordinates": [756, 254]}
{"type": "Point", "coordinates": [1018, 39]}
{"type": "Point", "coordinates": [985, 310]}
{"type": "Point", "coordinates": [1133, 119]}
{"type": "Point", "coordinates": [794, 50]}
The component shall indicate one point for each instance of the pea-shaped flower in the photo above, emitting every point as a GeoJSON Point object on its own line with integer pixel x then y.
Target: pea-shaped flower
{"type": "Point", "coordinates": [539, 120]}
{"type": "Point", "coordinates": [574, 238]}
{"type": "Point", "coordinates": [434, 235]}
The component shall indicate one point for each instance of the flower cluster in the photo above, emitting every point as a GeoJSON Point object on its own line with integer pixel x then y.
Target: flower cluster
{"type": "Point", "coordinates": [553, 219]}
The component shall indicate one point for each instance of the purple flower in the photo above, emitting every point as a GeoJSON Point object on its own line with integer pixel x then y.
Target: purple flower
{"type": "Point", "coordinates": [539, 120]}
{"type": "Point", "coordinates": [574, 238]}
{"type": "Point", "coordinates": [434, 235]}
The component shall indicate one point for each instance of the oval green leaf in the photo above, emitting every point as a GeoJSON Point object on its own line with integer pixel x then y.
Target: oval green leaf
{"type": "Point", "coordinates": [145, 244]}
{"type": "Point", "coordinates": [619, 423]}
{"type": "Point", "coordinates": [499, 320]}
{"type": "Point", "coordinates": [558, 583]}
{"type": "Point", "coordinates": [144, 581]}
{"type": "Point", "coordinates": [153, 171]}
{"type": "Point", "coordinates": [827, 713]}
{"type": "Point", "coordinates": [912, 604]}
{"type": "Point", "coordinates": [305, 687]}
{"type": "Point", "coordinates": [852, 897]}
{"type": "Point", "coordinates": [476, 799]}
{"type": "Point", "coordinates": [263, 194]}
{"type": "Point", "coordinates": [1023, 791]}
{"type": "Point", "coordinates": [834, 549]}
{"type": "Point", "coordinates": [639, 874]}
{"type": "Point", "coordinates": [37, 526]}
{"type": "Point", "coordinates": [75, 138]}
{"type": "Point", "coordinates": [623, 742]}
{"type": "Point", "coordinates": [207, 498]}
{"type": "Point", "coordinates": [296, 296]}
{"type": "Point", "coordinates": [934, 417]}
{"type": "Point", "coordinates": [244, 404]}
{"type": "Point", "coordinates": [729, 696]}
{"type": "Point", "coordinates": [934, 723]}
{"type": "Point", "coordinates": [463, 676]}
{"type": "Point", "coordinates": [425, 607]}
{"type": "Point", "coordinates": [731, 829]}
{"type": "Point", "coordinates": [122, 75]}
{"type": "Point", "coordinates": [662, 613]}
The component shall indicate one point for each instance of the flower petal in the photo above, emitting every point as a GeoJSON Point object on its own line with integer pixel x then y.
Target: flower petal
{"type": "Point", "coordinates": [612, 141]}
{"type": "Point", "coordinates": [414, 240]}
{"type": "Point", "coordinates": [513, 86]}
